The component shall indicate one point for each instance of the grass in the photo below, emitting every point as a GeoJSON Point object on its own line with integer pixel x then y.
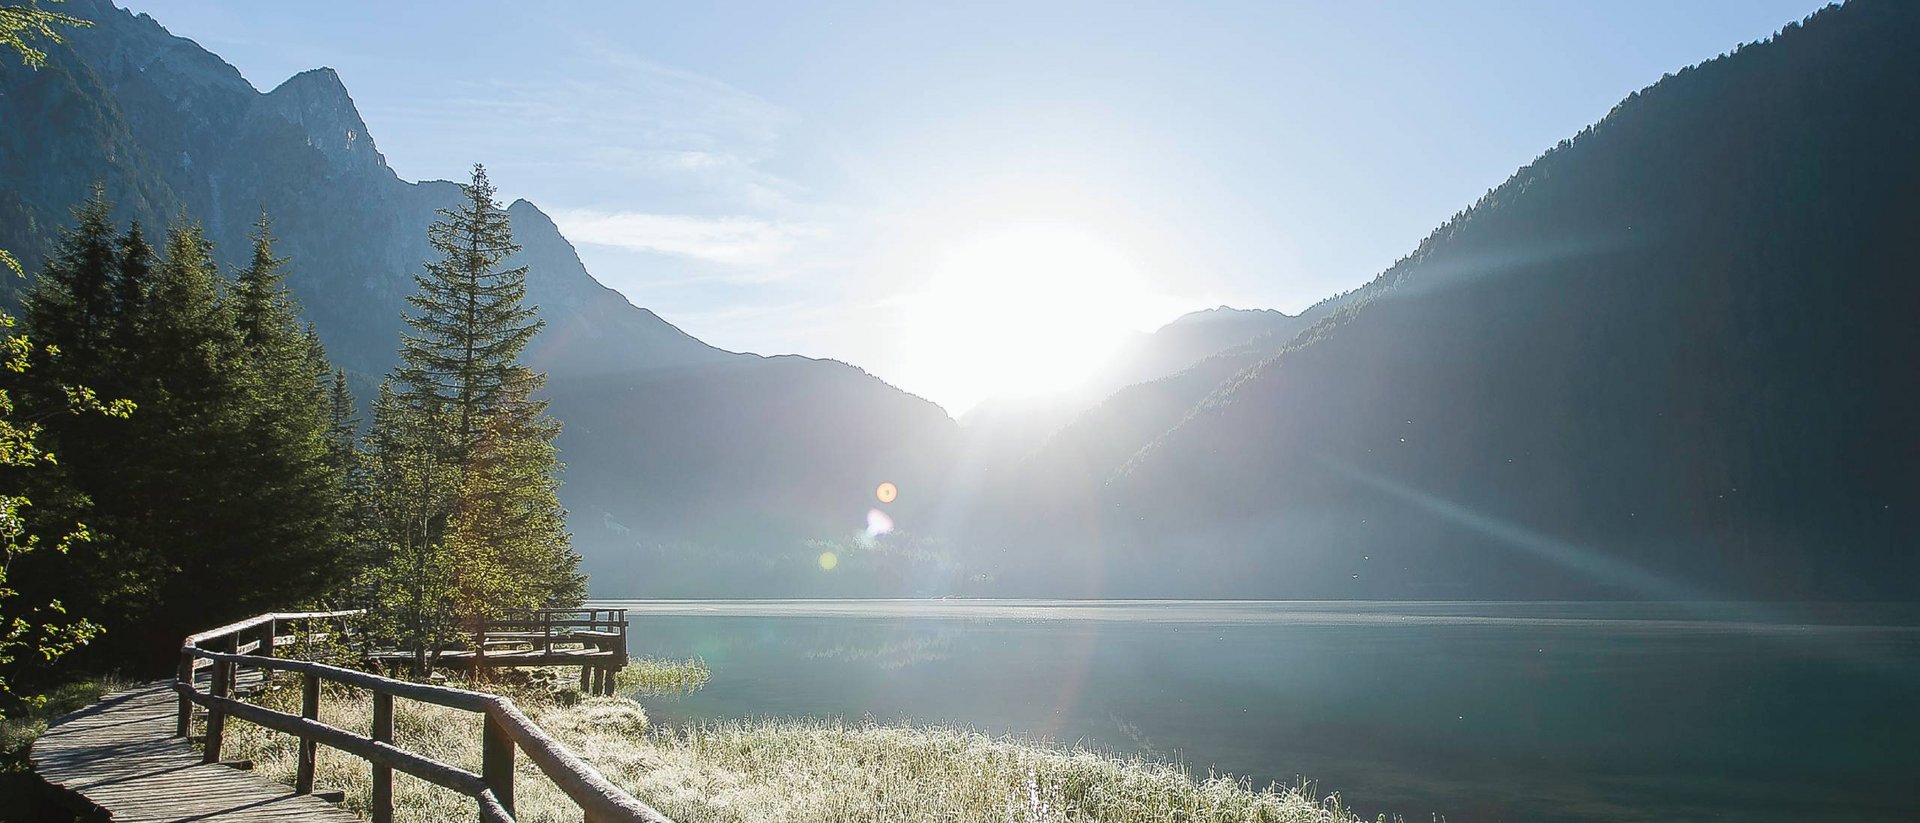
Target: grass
{"type": "Point", "coordinates": [27, 722]}
{"type": "Point", "coordinates": [786, 770]}
{"type": "Point", "coordinates": [651, 676]}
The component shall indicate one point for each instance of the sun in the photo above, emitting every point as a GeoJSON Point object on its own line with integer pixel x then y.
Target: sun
{"type": "Point", "coordinates": [1026, 310]}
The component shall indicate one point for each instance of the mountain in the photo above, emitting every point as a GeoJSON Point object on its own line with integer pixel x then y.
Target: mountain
{"type": "Point", "coordinates": [1672, 358]}
{"type": "Point", "coordinates": [1012, 427]}
{"type": "Point", "coordinates": [660, 426]}
{"type": "Point", "coordinates": [1191, 338]}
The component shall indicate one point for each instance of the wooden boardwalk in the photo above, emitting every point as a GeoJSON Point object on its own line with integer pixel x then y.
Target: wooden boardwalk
{"type": "Point", "coordinates": [121, 755]}
{"type": "Point", "coordinates": [128, 754]}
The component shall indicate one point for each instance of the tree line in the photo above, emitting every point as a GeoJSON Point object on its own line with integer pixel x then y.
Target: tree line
{"type": "Point", "coordinates": [176, 450]}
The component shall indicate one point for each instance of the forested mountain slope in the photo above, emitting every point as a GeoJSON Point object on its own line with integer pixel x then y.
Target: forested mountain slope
{"type": "Point", "coordinates": [169, 128]}
{"type": "Point", "coordinates": [1671, 358]}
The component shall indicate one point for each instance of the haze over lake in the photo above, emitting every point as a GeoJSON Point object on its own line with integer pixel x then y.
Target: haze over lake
{"type": "Point", "coordinates": [1482, 711]}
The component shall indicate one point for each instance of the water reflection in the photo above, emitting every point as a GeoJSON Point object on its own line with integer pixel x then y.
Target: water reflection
{"type": "Point", "coordinates": [1476, 712]}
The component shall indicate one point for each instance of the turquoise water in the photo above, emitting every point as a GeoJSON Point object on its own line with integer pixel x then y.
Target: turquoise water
{"type": "Point", "coordinates": [1474, 712]}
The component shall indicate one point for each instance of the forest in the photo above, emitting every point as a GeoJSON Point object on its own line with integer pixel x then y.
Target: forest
{"type": "Point", "coordinates": [181, 453]}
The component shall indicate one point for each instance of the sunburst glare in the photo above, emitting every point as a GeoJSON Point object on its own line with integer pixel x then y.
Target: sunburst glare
{"type": "Point", "coordinates": [1026, 310]}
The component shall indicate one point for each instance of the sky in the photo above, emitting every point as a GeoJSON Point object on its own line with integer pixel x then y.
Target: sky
{"type": "Point", "coordinates": [980, 198]}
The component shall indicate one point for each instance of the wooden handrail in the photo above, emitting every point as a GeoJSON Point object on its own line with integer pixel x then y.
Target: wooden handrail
{"type": "Point", "coordinates": [242, 625]}
{"type": "Point", "coordinates": [513, 624]}
{"type": "Point", "coordinates": [506, 727]}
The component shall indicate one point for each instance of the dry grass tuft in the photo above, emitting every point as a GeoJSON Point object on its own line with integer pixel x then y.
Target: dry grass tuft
{"type": "Point", "coordinates": [649, 676]}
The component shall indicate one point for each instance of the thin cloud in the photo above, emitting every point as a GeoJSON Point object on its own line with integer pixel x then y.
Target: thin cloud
{"type": "Point", "coordinates": [728, 240]}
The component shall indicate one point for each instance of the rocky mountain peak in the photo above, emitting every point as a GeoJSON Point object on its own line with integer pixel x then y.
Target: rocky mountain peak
{"type": "Point", "coordinates": [318, 104]}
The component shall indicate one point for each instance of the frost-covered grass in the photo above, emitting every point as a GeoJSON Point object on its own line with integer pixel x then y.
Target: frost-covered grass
{"type": "Point", "coordinates": [782, 770]}
{"type": "Point", "coordinates": [650, 676]}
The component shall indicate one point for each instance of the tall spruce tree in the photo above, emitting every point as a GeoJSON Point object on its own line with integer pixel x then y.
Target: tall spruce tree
{"type": "Point", "coordinates": [73, 300]}
{"type": "Point", "coordinates": [75, 315]}
{"type": "Point", "coordinates": [173, 492]}
{"type": "Point", "coordinates": [223, 481]}
{"type": "Point", "coordinates": [470, 323]}
{"type": "Point", "coordinates": [456, 424]}
{"type": "Point", "coordinates": [296, 493]}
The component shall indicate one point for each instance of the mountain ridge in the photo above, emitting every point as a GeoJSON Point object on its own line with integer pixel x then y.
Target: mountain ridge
{"type": "Point", "coordinates": [172, 129]}
{"type": "Point", "coordinates": [1652, 361]}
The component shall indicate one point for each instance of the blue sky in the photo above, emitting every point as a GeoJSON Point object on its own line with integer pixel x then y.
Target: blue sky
{"type": "Point", "coordinates": [793, 177]}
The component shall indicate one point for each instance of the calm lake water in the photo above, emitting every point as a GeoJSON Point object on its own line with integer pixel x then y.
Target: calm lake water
{"type": "Point", "coordinates": [1474, 712]}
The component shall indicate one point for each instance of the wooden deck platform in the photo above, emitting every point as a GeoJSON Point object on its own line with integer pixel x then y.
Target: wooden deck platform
{"type": "Point", "coordinates": [128, 754]}
{"type": "Point", "coordinates": [595, 640]}
{"type": "Point", "coordinates": [510, 657]}
{"type": "Point", "coordinates": [121, 755]}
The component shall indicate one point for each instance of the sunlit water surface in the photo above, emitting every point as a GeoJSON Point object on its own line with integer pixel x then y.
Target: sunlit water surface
{"type": "Point", "coordinates": [1474, 712]}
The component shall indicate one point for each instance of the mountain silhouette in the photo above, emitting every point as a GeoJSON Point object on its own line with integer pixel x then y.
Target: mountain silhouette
{"type": "Point", "coordinates": [1672, 358]}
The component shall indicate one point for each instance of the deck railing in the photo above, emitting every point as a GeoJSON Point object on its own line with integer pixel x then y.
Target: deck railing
{"type": "Point", "coordinates": [252, 643]}
{"type": "Point", "coordinates": [601, 630]}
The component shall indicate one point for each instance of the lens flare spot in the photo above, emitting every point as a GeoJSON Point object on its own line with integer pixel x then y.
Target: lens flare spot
{"type": "Point", "coordinates": [828, 560]}
{"type": "Point", "coordinates": [878, 523]}
{"type": "Point", "coordinates": [887, 492]}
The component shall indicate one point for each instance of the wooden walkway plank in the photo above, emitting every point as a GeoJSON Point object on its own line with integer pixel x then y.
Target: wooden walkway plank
{"type": "Point", "coordinates": [121, 755]}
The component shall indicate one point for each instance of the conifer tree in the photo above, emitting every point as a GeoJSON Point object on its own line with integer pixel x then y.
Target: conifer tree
{"type": "Point", "coordinates": [35, 628]}
{"type": "Point", "coordinates": [173, 493]}
{"type": "Point", "coordinates": [290, 486]}
{"type": "Point", "coordinates": [74, 321]}
{"type": "Point", "coordinates": [411, 586]}
{"type": "Point", "coordinates": [226, 478]}
{"type": "Point", "coordinates": [343, 430]}
{"type": "Point", "coordinates": [353, 533]}
{"type": "Point", "coordinates": [469, 325]}
{"type": "Point", "coordinates": [465, 464]}
{"type": "Point", "coordinates": [130, 283]}
{"type": "Point", "coordinates": [72, 303]}
{"type": "Point", "coordinates": [508, 535]}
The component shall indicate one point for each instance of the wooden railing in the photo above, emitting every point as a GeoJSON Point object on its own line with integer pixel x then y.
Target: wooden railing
{"type": "Point", "coordinates": [534, 638]}
{"type": "Point", "coordinates": [252, 643]}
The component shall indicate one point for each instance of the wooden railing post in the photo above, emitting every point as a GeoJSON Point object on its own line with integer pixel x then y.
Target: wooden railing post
{"type": "Point", "coordinates": [496, 761]}
{"type": "Point", "coordinates": [382, 775]}
{"type": "Point", "coordinates": [183, 725]}
{"type": "Point", "coordinates": [505, 730]}
{"type": "Point", "coordinates": [266, 650]}
{"type": "Point", "coordinates": [309, 748]}
{"type": "Point", "coordinates": [222, 686]}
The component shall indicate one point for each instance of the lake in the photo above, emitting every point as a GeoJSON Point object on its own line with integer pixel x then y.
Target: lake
{"type": "Point", "coordinates": [1474, 712]}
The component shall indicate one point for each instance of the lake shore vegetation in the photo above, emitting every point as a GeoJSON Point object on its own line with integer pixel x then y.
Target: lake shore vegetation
{"type": "Point", "coordinates": [788, 770]}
